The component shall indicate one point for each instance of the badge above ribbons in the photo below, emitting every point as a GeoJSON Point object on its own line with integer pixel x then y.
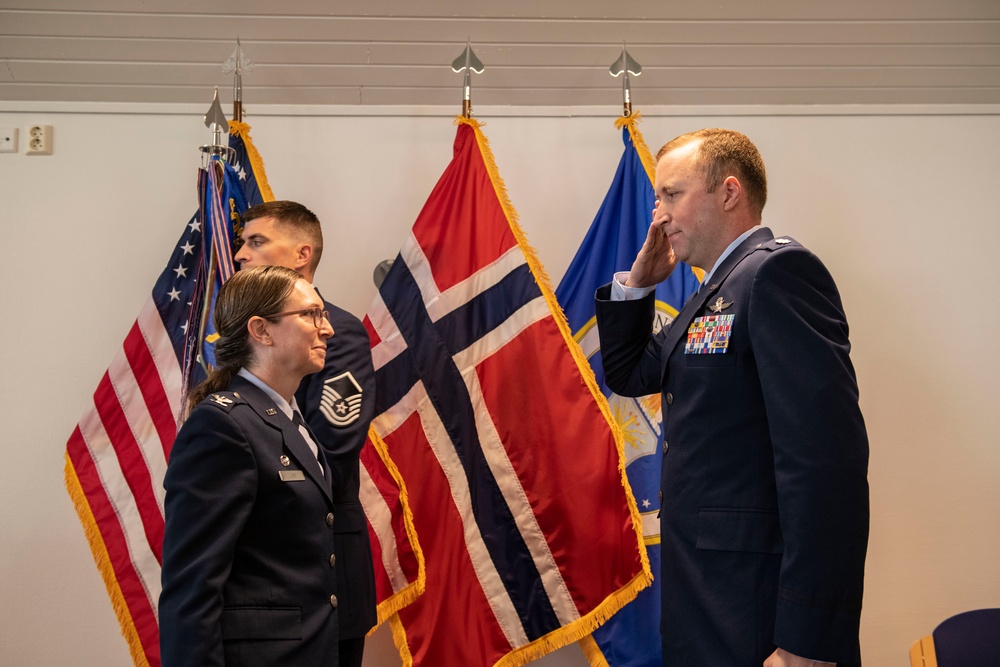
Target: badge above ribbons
{"type": "Point", "coordinates": [341, 400]}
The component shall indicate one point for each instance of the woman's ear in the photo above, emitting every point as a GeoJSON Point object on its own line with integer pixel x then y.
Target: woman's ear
{"type": "Point", "coordinates": [257, 327]}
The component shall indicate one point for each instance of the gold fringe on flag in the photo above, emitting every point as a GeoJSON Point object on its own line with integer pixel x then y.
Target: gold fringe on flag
{"type": "Point", "coordinates": [588, 623]}
{"type": "Point", "coordinates": [103, 562]}
{"type": "Point", "coordinates": [389, 607]}
{"type": "Point", "coordinates": [242, 130]}
{"type": "Point", "coordinates": [592, 652]}
{"type": "Point", "coordinates": [399, 639]}
{"type": "Point", "coordinates": [632, 122]}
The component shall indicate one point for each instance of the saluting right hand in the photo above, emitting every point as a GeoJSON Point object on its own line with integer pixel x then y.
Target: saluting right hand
{"type": "Point", "coordinates": [656, 260]}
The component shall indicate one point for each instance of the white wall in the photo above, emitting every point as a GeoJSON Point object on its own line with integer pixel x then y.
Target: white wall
{"type": "Point", "coordinates": [900, 207]}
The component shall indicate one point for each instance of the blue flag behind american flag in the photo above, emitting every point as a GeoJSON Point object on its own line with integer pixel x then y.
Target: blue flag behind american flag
{"type": "Point", "coordinates": [248, 165]}
{"type": "Point", "coordinates": [117, 455]}
{"type": "Point", "coordinates": [631, 638]}
{"type": "Point", "coordinates": [222, 200]}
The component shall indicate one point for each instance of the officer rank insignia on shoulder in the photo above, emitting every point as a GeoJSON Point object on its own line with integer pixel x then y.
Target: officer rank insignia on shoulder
{"type": "Point", "coordinates": [224, 400]}
{"type": "Point", "coordinates": [341, 400]}
{"type": "Point", "coordinates": [774, 244]}
{"type": "Point", "coordinates": [709, 335]}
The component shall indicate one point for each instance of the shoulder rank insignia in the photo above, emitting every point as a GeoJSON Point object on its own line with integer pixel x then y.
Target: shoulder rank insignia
{"type": "Point", "coordinates": [221, 400]}
{"type": "Point", "coordinates": [720, 305]}
{"type": "Point", "coordinates": [782, 241]}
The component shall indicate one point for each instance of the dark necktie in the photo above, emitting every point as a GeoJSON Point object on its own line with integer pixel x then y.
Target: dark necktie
{"type": "Point", "coordinates": [307, 436]}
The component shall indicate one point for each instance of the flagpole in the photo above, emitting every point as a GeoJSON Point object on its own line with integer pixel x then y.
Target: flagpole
{"type": "Point", "coordinates": [237, 63]}
{"type": "Point", "coordinates": [625, 65]}
{"type": "Point", "coordinates": [467, 62]}
{"type": "Point", "coordinates": [215, 119]}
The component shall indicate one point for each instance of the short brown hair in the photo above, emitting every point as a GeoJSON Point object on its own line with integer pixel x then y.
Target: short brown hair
{"type": "Point", "coordinates": [723, 153]}
{"type": "Point", "coordinates": [295, 217]}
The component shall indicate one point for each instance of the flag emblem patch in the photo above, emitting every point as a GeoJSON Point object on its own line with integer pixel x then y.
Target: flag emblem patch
{"type": "Point", "coordinates": [341, 400]}
{"type": "Point", "coordinates": [709, 335]}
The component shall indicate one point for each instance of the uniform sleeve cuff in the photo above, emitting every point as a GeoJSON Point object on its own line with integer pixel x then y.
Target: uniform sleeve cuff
{"type": "Point", "coordinates": [619, 292]}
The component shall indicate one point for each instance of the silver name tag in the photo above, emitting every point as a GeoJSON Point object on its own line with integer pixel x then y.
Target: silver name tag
{"type": "Point", "coordinates": [291, 475]}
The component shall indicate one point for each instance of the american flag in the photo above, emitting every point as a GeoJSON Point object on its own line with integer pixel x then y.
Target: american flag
{"type": "Point", "coordinates": [498, 430]}
{"type": "Point", "coordinates": [117, 455]}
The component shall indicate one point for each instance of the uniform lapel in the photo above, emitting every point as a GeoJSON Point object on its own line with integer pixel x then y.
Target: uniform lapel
{"type": "Point", "coordinates": [680, 324]}
{"type": "Point", "coordinates": [293, 440]}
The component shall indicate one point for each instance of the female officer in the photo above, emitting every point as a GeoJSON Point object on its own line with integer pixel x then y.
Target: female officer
{"type": "Point", "coordinates": [248, 568]}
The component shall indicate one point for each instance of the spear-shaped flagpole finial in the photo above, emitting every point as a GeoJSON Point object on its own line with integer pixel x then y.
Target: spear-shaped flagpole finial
{"type": "Point", "coordinates": [216, 121]}
{"type": "Point", "coordinates": [470, 63]}
{"type": "Point", "coordinates": [626, 65]}
{"type": "Point", "coordinates": [237, 63]}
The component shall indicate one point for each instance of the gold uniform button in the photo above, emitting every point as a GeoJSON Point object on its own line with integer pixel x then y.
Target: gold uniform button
{"type": "Point", "coordinates": [329, 519]}
{"type": "Point", "coordinates": [664, 446]}
{"type": "Point", "coordinates": [333, 560]}
{"type": "Point", "coordinates": [333, 601]}
{"type": "Point", "coordinates": [670, 398]}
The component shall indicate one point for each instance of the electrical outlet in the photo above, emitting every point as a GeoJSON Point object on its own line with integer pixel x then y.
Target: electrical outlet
{"type": "Point", "coordinates": [8, 139]}
{"type": "Point", "coordinates": [39, 140]}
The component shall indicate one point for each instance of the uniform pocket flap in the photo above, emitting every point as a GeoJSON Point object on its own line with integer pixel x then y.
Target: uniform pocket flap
{"type": "Point", "coordinates": [262, 623]}
{"type": "Point", "coordinates": [735, 529]}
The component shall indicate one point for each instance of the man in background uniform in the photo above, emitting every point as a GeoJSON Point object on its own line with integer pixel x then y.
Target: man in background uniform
{"type": "Point", "coordinates": [338, 404]}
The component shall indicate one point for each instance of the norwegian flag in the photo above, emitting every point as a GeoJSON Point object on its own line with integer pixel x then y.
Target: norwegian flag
{"type": "Point", "coordinates": [493, 419]}
{"type": "Point", "coordinates": [399, 562]}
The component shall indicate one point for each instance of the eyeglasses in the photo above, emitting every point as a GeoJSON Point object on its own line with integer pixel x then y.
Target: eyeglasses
{"type": "Point", "coordinates": [317, 315]}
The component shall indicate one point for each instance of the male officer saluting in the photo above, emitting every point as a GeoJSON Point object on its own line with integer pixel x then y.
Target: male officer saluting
{"type": "Point", "coordinates": [764, 520]}
{"type": "Point", "coordinates": [338, 404]}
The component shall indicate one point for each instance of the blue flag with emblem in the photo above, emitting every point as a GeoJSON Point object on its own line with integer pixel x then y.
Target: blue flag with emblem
{"type": "Point", "coordinates": [221, 201]}
{"type": "Point", "coordinates": [225, 191]}
{"type": "Point", "coordinates": [631, 638]}
{"type": "Point", "coordinates": [248, 165]}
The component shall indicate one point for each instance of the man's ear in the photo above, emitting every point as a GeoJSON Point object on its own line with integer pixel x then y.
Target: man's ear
{"type": "Point", "coordinates": [258, 330]}
{"type": "Point", "coordinates": [303, 256]}
{"type": "Point", "coordinates": [732, 193]}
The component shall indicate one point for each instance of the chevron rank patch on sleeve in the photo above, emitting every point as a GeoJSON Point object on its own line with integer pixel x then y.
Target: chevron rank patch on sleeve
{"type": "Point", "coordinates": [341, 401]}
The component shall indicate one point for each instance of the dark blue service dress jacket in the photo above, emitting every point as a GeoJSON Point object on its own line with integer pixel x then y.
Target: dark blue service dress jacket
{"type": "Point", "coordinates": [248, 571]}
{"type": "Point", "coordinates": [764, 515]}
{"type": "Point", "coordinates": [338, 403]}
